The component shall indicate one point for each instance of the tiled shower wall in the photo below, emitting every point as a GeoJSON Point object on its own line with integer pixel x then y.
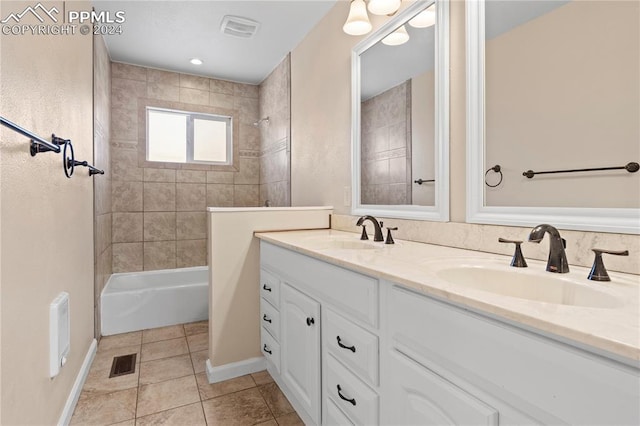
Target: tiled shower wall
{"type": "Point", "coordinates": [275, 136]}
{"type": "Point", "coordinates": [386, 151]}
{"type": "Point", "coordinates": [159, 219]}
{"type": "Point", "coordinates": [101, 183]}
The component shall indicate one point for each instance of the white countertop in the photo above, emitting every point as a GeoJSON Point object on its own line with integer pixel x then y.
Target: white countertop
{"type": "Point", "coordinates": [261, 209]}
{"type": "Point", "coordinates": [615, 329]}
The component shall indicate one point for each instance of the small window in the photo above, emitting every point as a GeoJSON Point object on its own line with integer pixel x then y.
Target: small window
{"type": "Point", "coordinates": [188, 137]}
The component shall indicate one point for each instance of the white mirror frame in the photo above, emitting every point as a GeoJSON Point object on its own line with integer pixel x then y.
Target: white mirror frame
{"type": "Point", "coordinates": [616, 220]}
{"type": "Point", "coordinates": [440, 211]}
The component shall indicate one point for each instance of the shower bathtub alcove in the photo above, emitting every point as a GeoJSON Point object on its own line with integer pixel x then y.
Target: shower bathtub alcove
{"type": "Point", "coordinates": [141, 300]}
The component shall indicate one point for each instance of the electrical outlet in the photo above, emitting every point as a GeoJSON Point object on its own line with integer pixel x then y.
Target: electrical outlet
{"type": "Point", "coordinates": [347, 196]}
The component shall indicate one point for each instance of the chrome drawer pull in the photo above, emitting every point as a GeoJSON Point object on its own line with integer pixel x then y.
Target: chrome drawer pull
{"type": "Point", "coordinates": [266, 318]}
{"type": "Point", "coordinates": [266, 287]}
{"type": "Point", "coordinates": [266, 349]}
{"type": "Point", "coordinates": [352, 400]}
{"type": "Point", "coordinates": [351, 348]}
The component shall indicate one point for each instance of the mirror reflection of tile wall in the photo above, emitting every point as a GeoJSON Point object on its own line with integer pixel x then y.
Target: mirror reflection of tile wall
{"type": "Point", "coordinates": [386, 151]}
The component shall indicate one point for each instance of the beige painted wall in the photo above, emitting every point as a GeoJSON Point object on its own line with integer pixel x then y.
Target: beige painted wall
{"type": "Point", "coordinates": [47, 219]}
{"type": "Point", "coordinates": [321, 140]}
{"type": "Point", "coordinates": [563, 92]}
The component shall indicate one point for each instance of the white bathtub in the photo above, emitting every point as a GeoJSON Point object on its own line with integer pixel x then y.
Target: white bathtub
{"type": "Point", "coordinates": [140, 300]}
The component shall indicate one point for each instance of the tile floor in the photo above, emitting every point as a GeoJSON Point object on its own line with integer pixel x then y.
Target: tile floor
{"type": "Point", "coordinates": [170, 387]}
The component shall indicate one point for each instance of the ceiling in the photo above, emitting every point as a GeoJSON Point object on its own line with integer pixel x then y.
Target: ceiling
{"type": "Point", "coordinates": [167, 34]}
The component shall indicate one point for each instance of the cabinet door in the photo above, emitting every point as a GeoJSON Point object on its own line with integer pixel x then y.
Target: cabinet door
{"type": "Point", "coordinates": [300, 348]}
{"type": "Point", "coordinates": [418, 396]}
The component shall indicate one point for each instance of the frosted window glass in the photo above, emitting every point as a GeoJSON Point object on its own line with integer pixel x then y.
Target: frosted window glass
{"type": "Point", "coordinates": [209, 140]}
{"type": "Point", "coordinates": [167, 133]}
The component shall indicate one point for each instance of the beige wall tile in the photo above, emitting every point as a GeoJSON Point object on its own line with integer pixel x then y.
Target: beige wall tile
{"type": "Point", "coordinates": [220, 177]}
{"type": "Point", "coordinates": [159, 255]}
{"type": "Point", "coordinates": [248, 108]}
{"type": "Point", "coordinates": [191, 253]}
{"type": "Point", "coordinates": [127, 257]}
{"type": "Point", "coordinates": [103, 233]}
{"type": "Point", "coordinates": [249, 137]}
{"type": "Point", "coordinates": [163, 77]}
{"type": "Point", "coordinates": [165, 92]}
{"type": "Point", "coordinates": [159, 175]}
{"type": "Point", "coordinates": [221, 100]}
{"type": "Point", "coordinates": [249, 171]}
{"type": "Point", "coordinates": [124, 124]}
{"type": "Point", "coordinates": [159, 226]}
{"type": "Point", "coordinates": [246, 90]}
{"type": "Point", "coordinates": [221, 86]}
{"type": "Point", "coordinates": [191, 225]}
{"type": "Point", "coordinates": [191, 176]}
{"type": "Point", "coordinates": [194, 82]}
{"type": "Point", "coordinates": [126, 196]}
{"type": "Point", "coordinates": [131, 72]}
{"type": "Point", "coordinates": [246, 196]}
{"type": "Point", "coordinates": [194, 96]}
{"type": "Point", "coordinates": [127, 227]}
{"type": "Point", "coordinates": [159, 196]}
{"type": "Point", "coordinates": [191, 196]}
{"type": "Point", "coordinates": [125, 93]}
{"type": "Point", "coordinates": [219, 195]}
{"type": "Point", "coordinates": [124, 164]}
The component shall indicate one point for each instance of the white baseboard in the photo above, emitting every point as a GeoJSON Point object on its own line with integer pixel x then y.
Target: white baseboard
{"type": "Point", "coordinates": [72, 400]}
{"type": "Point", "coordinates": [234, 369]}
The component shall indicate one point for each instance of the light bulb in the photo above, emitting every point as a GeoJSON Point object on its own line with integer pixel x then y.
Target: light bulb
{"type": "Point", "coordinates": [383, 7]}
{"type": "Point", "coordinates": [396, 38]}
{"type": "Point", "coordinates": [424, 19]}
{"type": "Point", "coordinates": [196, 61]}
{"type": "Point", "coordinates": [358, 20]}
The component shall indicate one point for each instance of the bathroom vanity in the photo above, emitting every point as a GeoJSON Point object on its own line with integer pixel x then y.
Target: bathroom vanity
{"type": "Point", "coordinates": [357, 332]}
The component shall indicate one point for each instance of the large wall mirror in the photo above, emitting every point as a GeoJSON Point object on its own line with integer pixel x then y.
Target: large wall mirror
{"type": "Point", "coordinates": [554, 87]}
{"type": "Point", "coordinates": [400, 116]}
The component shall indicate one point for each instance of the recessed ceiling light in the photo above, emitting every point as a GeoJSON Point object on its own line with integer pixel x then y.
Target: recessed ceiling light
{"type": "Point", "coordinates": [196, 61]}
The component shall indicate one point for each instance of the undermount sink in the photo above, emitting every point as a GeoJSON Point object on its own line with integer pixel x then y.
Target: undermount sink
{"type": "Point", "coordinates": [522, 284]}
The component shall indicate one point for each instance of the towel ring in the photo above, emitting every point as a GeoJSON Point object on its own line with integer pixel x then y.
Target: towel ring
{"type": "Point", "coordinates": [496, 169]}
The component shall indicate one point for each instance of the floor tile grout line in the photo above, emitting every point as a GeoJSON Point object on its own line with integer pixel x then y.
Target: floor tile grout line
{"type": "Point", "coordinates": [168, 409]}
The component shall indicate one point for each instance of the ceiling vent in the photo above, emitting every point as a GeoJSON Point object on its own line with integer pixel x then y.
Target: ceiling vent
{"type": "Point", "coordinates": [238, 26]}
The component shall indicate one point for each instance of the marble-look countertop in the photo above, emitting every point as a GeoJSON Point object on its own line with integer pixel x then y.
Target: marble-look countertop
{"type": "Point", "coordinates": [614, 328]}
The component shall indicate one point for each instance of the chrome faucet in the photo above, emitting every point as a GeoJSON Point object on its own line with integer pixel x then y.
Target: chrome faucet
{"type": "Point", "coordinates": [377, 226]}
{"type": "Point", "coordinates": [557, 261]}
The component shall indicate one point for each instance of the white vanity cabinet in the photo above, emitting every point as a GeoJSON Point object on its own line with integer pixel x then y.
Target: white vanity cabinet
{"type": "Point", "coordinates": [379, 353]}
{"type": "Point", "coordinates": [328, 364]}
{"type": "Point", "coordinates": [300, 349]}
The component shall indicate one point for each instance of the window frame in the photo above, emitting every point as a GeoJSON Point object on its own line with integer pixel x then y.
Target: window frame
{"type": "Point", "coordinates": [191, 116]}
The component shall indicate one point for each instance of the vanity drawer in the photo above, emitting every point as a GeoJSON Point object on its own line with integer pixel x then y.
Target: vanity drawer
{"type": "Point", "coordinates": [334, 416]}
{"type": "Point", "coordinates": [270, 287]}
{"type": "Point", "coordinates": [354, 346]}
{"type": "Point", "coordinates": [270, 319]}
{"type": "Point", "coordinates": [353, 293]}
{"type": "Point", "coordinates": [355, 398]}
{"type": "Point", "coordinates": [270, 348]}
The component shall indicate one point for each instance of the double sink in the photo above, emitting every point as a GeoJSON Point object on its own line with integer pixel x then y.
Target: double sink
{"type": "Point", "coordinates": [491, 275]}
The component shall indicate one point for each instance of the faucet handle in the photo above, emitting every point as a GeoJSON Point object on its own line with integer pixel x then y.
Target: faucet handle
{"type": "Point", "coordinates": [518, 260]}
{"type": "Point", "coordinates": [598, 271]}
{"type": "Point", "coordinates": [364, 235]}
{"type": "Point", "coordinates": [389, 236]}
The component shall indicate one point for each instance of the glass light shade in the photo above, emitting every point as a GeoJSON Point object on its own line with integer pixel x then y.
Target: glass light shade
{"type": "Point", "coordinates": [383, 7]}
{"type": "Point", "coordinates": [396, 38]}
{"type": "Point", "coordinates": [358, 20]}
{"type": "Point", "coordinates": [424, 19]}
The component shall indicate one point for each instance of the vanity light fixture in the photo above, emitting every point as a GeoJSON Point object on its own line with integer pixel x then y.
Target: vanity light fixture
{"type": "Point", "coordinates": [383, 7]}
{"type": "Point", "coordinates": [196, 61]}
{"type": "Point", "coordinates": [424, 19]}
{"type": "Point", "coordinates": [396, 38]}
{"type": "Point", "coordinates": [358, 20]}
